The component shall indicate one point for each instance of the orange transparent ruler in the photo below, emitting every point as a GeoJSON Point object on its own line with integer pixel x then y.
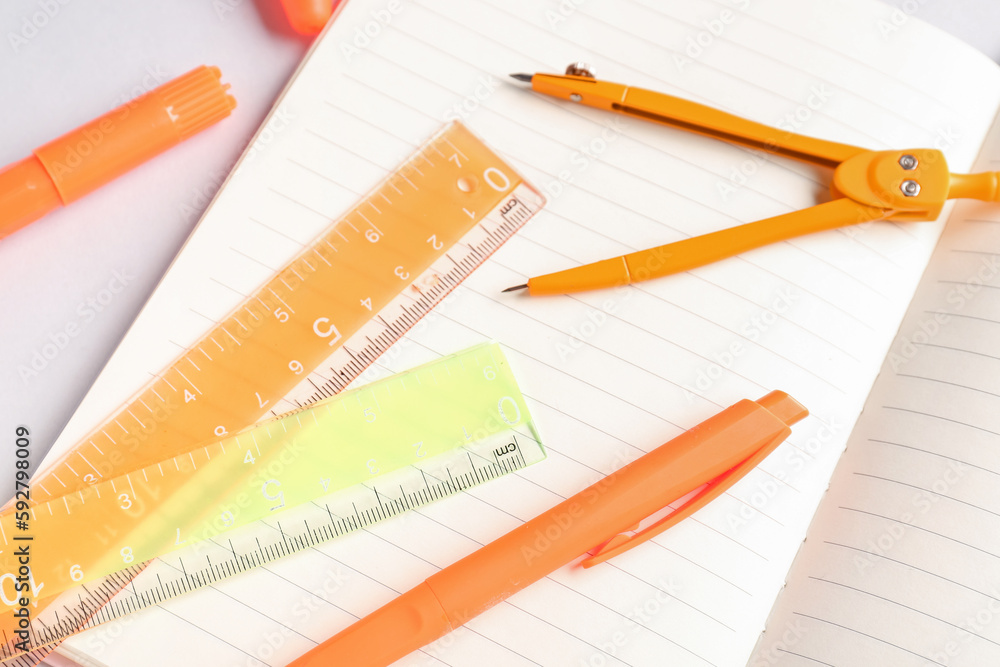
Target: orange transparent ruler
{"type": "Point", "coordinates": [316, 324]}
{"type": "Point", "coordinates": [384, 264]}
{"type": "Point", "coordinates": [340, 465]}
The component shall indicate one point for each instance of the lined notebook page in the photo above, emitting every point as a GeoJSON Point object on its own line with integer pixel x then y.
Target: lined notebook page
{"type": "Point", "coordinates": [609, 375]}
{"type": "Point", "coordinates": [902, 565]}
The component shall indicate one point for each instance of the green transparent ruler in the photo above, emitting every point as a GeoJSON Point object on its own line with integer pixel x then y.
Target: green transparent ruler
{"type": "Point", "coordinates": [291, 483]}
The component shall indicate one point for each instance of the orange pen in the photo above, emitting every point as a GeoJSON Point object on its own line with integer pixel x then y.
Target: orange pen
{"type": "Point", "coordinates": [714, 455]}
{"type": "Point", "coordinates": [83, 160]}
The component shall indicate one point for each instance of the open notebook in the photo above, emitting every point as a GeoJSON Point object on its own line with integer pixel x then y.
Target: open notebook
{"type": "Point", "coordinates": [612, 375]}
{"type": "Point", "coordinates": [902, 562]}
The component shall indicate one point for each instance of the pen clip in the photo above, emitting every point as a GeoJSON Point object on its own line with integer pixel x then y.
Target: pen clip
{"type": "Point", "coordinates": [623, 542]}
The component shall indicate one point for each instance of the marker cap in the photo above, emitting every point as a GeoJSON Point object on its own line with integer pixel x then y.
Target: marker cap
{"type": "Point", "coordinates": [107, 147]}
{"type": "Point", "coordinates": [81, 161]}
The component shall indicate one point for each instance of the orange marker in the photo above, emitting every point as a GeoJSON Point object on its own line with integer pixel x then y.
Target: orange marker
{"type": "Point", "coordinates": [83, 160]}
{"type": "Point", "coordinates": [716, 453]}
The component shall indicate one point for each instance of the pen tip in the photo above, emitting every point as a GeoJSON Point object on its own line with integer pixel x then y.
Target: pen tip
{"type": "Point", "coordinates": [522, 77]}
{"type": "Point", "coordinates": [516, 288]}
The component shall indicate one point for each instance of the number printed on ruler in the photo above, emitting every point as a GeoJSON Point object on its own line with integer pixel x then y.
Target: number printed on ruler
{"type": "Point", "coordinates": [326, 316]}
{"type": "Point", "coordinates": [318, 323]}
{"type": "Point", "coordinates": [340, 465]}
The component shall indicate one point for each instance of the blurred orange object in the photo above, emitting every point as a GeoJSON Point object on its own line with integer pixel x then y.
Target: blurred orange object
{"type": "Point", "coordinates": [309, 16]}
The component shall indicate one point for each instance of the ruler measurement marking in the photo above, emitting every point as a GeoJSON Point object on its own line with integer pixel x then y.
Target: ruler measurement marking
{"type": "Point", "coordinates": [370, 223]}
{"type": "Point", "coordinates": [238, 343]}
{"type": "Point", "coordinates": [475, 470]}
{"type": "Point", "coordinates": [188, 381]}
{"type": "Point", "coordinates": [412, 184]}
{"type": "Point", "coordinates": [139, 421]}
{"type": "Point", "coordinates": [317, 249]}
{"type": "Point", "coordinates": [360, 358]}
{"type": "Point", "coordinates": [456, 149]}
{"type": "Point", "coordinates": [316, 252]}
{"type": "Point", "coordinates": [423, 476]}
{"type": "Point", "coordinates": [290, 309]}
